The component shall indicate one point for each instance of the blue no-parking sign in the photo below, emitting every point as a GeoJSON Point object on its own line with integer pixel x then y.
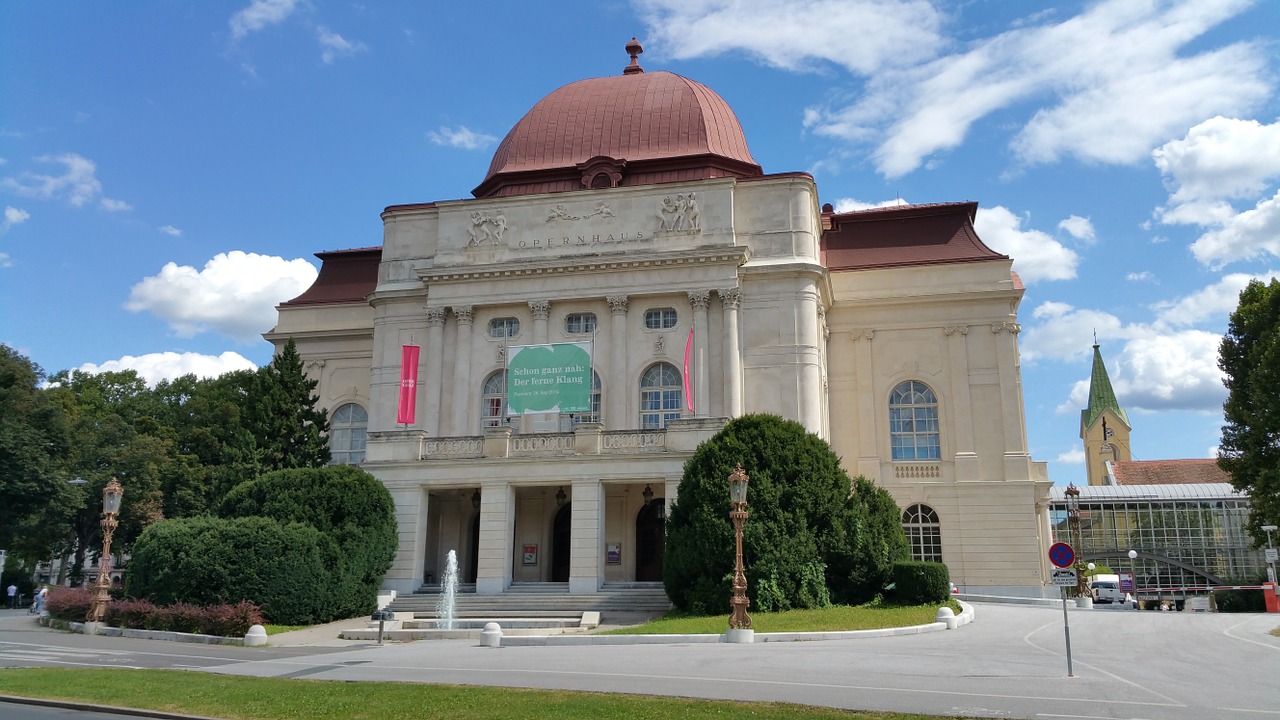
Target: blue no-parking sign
{"type": "Point", "coordinates": [1061, 555]}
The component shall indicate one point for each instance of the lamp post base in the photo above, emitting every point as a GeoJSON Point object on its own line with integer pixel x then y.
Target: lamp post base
{"type": "Point", "coordinates": [94, 628]}
{"type": "Point", "coordinates": [735, 635]}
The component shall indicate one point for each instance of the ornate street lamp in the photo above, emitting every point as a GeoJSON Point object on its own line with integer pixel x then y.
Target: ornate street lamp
{"type": "Point", "coordinates": [111, 496]}
{"type": "Point", "coordinates": [738, 480]}
{"type": "Point", "coordinates": [647, 494]}
{"type": "Point", "coordinates": [1072, 494]}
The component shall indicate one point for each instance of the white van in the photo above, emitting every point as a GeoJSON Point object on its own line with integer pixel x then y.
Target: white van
{"type": "Point", "coordinates": [1106, 589]}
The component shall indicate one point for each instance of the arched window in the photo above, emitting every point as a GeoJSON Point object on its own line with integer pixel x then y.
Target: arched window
{"type": "Point", "coordinates": [661, 396]}
{"type": "Point", "coordinates": [924, 533]}
{"type": "Point", "coordinates": [493, 400]}
{"type": "Point", "coordinates": [348, 433]}
{"type": "Point", "coordinates": [913, 422]}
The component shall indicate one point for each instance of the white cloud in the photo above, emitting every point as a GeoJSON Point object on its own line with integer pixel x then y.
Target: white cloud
{"type": "Point", "coordinates": [13, 216]}
{"type": "Point", "coordinates": [78, 184]}
{"type": "Point", "coordinates": [5, 262]}
{"type": "Point", "coordinates": [1074, 456]}
{"type": "Point", "coordinates": [1079, 228]}
{"type": "Point", "coordinates": [1120, 73]}
{"type": "Point", "coordinates": [1213, 303]}
{"type": "Point", "coordinates": [844, 205]}
{"type": "Point", "coordinates": [114, 205]}
{"type": "Point", "coordinates": [1036, 255]}
{"type": "Point", "coordinates": [170, 230]}
{"type": "Point", "coordinates": [1162, 371]}
{"type": "Point", "coordinates": [1251, 234]}
{"type": "Point", "coordinates": [1143, 276]}
{"type": "Point", "coordinates": [154, 367]}
{"type": "Point", "coordinates": [1220, 158]}
{"type": "Point", "coordinates": [234, 295]}
{"type": "Point", "coordinates": [1064, 333]}
{"type": "Point", "coordinates": [862, 36]}
{"type": "Point", "coordinates": [259, 15]}
{"type": "Point", "coordinates": [462, 137]}
{"type": "Point", "coordinates": [333, 45]}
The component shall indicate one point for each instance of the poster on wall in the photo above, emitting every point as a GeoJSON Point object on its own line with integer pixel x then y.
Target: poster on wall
{"type": "Point", "coordinates": [530, 554]}
{"type": "Point", "coordinates": [549, 378]}
{"type": "Point", "coordinates": [613, 553]}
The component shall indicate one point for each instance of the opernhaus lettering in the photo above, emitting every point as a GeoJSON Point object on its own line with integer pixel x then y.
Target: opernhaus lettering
{"type": "Point", "coordinates": [568, 241]}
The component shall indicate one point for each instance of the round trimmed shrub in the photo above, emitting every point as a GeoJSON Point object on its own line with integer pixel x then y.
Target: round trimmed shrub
{"type": "Point", "coordinates": [284, 569]}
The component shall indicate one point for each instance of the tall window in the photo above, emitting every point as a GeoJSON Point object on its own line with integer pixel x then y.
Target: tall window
{"type": "Point", "coordinates": [924, 533]}
{"type": "Point", "coordinates": [504, 327]}
{"type": "Point", "coordinates": [348, 433]}
{"type": "Point", "coordinates": [660, 318]}
{"type": "Point", "coordinates": [913, 422]}
{"type": "Point", "coordinates": [580, 323]}
{"type": "Point", "coordinates": [493, 400]}
{"type": "Point", "coordinates": [592, 415]}
{"type": "Point", "coordinates": [661, 395]}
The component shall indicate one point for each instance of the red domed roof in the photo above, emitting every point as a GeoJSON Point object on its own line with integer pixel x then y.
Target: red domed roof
{"type": "Point", "coordinates": [633, 129]}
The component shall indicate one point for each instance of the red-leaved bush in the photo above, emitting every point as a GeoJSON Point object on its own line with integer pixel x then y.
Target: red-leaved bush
{"type": "Point", "coordinates": [73, 605]}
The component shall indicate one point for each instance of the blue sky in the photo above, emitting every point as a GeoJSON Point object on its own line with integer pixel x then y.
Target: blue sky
{"type": "Point", "coordinates": [168, 169]}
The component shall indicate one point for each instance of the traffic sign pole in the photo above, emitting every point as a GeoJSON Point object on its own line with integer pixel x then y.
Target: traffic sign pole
{"type": "Point", "coordinates": [1066, 626]}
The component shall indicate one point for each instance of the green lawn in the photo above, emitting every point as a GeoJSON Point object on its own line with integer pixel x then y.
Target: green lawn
{"type": "Point", "coordinates": [863, 617]}
{"type": "Point", "coordinates": [250, 698]}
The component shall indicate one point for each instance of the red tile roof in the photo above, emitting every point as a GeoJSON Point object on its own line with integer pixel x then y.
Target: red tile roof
{"type": "Point", "coordinates": [345, 276]}
{"type": "Point", "coordinates": [904, 235]}
{"type": "Point", "coordinates": [1169, 472]}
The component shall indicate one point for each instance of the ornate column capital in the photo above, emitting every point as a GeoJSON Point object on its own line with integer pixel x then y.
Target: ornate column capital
{"type": "Point", "coordinates": [617, 304]}
{"type": "Point", "coordinates": [1010, 327]}
{"type": "Point", "coordinates": [730, 297]}
{"type": "Point", "coordinates": [541, 309]}
{"type": "Point", "coordinates": [699, 299]}
{"type": "Point", "coordinates": [464, 313]}
{"type": "Point", "coordinates": [435, 317]}
{"type": "Point", "coordinates": [862, 334]}
{"type": "Point", "coordinates": [953, 329]}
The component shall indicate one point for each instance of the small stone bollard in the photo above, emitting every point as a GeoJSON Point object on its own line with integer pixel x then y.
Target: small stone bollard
{"type": "Point", "coordinates": [491, 635]}
{"type": "Point", "coordinates": [948, 616]}
{"type": "Point", "coordinates": [256, 637]}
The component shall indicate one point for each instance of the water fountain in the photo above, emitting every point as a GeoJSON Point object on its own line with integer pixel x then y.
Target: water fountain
{"type": "Point", "coordinates": [446, 606]}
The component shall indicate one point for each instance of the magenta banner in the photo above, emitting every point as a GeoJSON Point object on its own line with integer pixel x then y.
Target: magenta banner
{"type": "Point", "coordinates": [408, 384]}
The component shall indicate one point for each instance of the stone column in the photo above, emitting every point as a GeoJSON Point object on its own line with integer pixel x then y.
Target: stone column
{"type": "Point", "coordinates": [461, 391]}
{"type": "Point", "coordinates": [432, 421]}
{"type": "Point", "coordinates": [863, 375]}
{"type": "Point", "coordinates": [1017, 461]}
{"type": "Point", "coordinates": [497, 539]}
{"type": "Point", "coordinates": [962, 408]}
{"type": "Point", "coordinates": [616, 393]}
{"type": "Point", "coordinates": [699, 299]}
{"type": "Point", "coordinates": [810, 378]}
{"type": "Point", "coordinates": [730, 298]}
{"type": "Point", "coordinates": [541, 310]}
{"type": "Point", "coordinates": [587, 526]}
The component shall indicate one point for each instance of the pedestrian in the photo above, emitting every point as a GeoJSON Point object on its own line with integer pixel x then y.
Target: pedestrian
{"type": "Point", "coordinates": [13, 596]}
{"type": "Point", "coordinates": [40, 599]}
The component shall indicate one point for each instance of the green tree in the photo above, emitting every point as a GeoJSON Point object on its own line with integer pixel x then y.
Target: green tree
{"type": "Point", "coordinates": [1250, 358]}
{"type": "Point", "coordinates": [288, 430]}
{"type": "Point", "coordinates": [813, 532]}
{"type": "Point", "coordinates": [33, 437]}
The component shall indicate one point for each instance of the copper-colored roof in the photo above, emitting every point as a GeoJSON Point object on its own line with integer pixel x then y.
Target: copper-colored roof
{"type": "Point", "coordinates": [903, 235]}
{"type": "Point", "coordinates": [1169, 472]}
{"type": "Point", "coordinates": [345, 276]}
{"type": "Point", "coordinates": [659, 126]}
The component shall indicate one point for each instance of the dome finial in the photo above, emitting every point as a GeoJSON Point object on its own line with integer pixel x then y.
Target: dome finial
{"type": "Point", "coordinates": [634, 50]}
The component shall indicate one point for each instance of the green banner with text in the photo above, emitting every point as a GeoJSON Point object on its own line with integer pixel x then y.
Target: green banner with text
{"type": "Point", "coordinates": [549, 378]}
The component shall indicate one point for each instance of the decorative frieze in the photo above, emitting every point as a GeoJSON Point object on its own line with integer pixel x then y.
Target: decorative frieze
{"type": "Point", "coordinates": [486, 227]}
{"type": "Point", "coordinates": [917, 472]}
{"type": "Point", "coordinates": [679, 213]}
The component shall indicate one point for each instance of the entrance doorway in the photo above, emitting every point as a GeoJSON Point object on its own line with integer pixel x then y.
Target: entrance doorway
{"type": "Point", "coordinates": [561, 533]}
{"type": "Point", "coordinates": [650, 540]}
{"type": "Point", "coordinates": [474, 564]}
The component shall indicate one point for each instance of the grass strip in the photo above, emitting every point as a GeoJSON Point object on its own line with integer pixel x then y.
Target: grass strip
{"type": "Point", "coordinates": [251, 698]}
{"type": "Point", "coordinates": [832, 619]}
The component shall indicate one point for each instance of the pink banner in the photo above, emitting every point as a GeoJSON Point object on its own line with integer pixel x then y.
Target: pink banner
{"type": "Point", "coordinates": [688, 392]}
{"type": "Point", "coordinates": [408, 384]}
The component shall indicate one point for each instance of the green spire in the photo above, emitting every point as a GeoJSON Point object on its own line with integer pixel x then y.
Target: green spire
{"type": "Point", "coordinates": [1101, 396]}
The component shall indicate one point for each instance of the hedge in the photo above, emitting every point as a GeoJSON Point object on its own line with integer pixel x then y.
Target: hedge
{"type": "Point", "coordinates": [921, 583]}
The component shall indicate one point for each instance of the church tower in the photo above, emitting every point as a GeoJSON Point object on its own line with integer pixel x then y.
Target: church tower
{"type": "Point", "coordinates": [1104, 426]}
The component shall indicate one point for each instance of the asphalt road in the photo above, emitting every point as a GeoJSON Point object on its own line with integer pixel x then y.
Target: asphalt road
{"type": "Point", "coordinates": [1010, 662]}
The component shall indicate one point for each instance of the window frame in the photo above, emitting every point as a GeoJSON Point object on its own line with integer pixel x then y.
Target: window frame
{"type": "Point", "coordinates": [923, 529]}
{"type": "Point", "coordinates": [666, 318]}
{"type": "Point", "coordinates": [667, 397]}
{"type": "Point", "coordinates": [913, 404]}
{"type": "Point", "coordinates": [510, 327]}
{"type": "Point", "coordinates": [342, 432]}
{"type": "Point", "coordinates": [585, 319]}
{"type": "Point", "coordinates": [489, 394]}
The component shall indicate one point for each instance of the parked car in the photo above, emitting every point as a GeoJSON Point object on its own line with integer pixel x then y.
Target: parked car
{"type": "Point", "coordinates": [1106, 591]}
